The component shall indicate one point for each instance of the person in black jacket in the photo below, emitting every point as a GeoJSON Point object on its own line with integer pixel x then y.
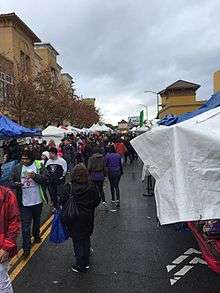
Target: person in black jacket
{"type": "Point", "coordinates": [87, 199]}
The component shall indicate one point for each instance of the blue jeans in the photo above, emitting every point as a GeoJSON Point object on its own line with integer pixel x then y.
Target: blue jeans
{"type": "Point", "coordinates": [82, 252]}
{"type": "Point", "coordinates": [28, 214]}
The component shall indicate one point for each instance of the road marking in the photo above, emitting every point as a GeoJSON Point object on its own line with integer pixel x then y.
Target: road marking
{"type": "Point", "coordinates": [17, 257]}
{"type": "Point", "coordinates": [170, 267]}
{"type": "Point", "coordinates": [192, 250]}
{"type": "Point", "coordinates": [185, 269]}
{"type": "Point", "coordinates": [21, 263]}
{"type": "Point", "coordinates": [197, 260]}
{"type": "Point", "coordinates": [179, 259]}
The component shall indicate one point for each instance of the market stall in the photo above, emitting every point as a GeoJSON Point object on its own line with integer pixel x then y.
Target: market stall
{"type": "Point", "coordinates": [100, 128]}
{"type": "Point", "coordinates": [53, 133]}
{"type": "Point", "coordinates": [184, 160]}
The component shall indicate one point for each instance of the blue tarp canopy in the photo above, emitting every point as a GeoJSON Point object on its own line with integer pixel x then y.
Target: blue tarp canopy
{"type": "Point", "coordinates": [212, 103]}
{"type": "Point", "coordinates": [10, 129]}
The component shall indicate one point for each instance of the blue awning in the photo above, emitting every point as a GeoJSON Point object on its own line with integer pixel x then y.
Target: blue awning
{"type": "Point", "coordinates": [10, 129]}
{"type": "Point", "coordinates": [212, 103]}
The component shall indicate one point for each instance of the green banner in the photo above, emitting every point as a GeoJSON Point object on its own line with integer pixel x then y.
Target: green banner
{"type": "Point", "coordinates": [141, 118]}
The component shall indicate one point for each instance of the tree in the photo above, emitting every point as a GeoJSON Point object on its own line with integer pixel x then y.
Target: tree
{"type": "Point", "coordinates": [35, 101]}
{"type": "Point", "coordinates": [83, 114]}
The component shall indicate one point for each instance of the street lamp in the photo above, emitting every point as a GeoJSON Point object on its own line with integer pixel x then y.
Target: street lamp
{"type": "Point", "coordinates": [153, 92]}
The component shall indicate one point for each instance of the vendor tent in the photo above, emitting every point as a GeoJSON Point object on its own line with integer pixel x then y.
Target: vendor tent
{"type": "Point", "coordinates": [212, 103]}
{"type": "Point", "coordinates": [74, 130]}
{"type": "Point", "coordinates": [184, 159]}
{"type": "Point", "coordinates": [53, 131]}
{"type": "Point", "coordinates": [9, 129]}
{"type": "Point", "coordinates": [100, 128]}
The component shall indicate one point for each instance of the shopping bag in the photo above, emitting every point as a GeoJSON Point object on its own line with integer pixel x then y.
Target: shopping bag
{"type": "Point", "coordinates": [59, 232]}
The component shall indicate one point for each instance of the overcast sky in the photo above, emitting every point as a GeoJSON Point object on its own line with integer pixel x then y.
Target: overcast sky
{"type": "Point", "coordinates": [117, 49]}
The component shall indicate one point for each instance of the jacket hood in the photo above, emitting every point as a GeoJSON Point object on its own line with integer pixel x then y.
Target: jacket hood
{"type": "Point", "coordinates": [80, 188]}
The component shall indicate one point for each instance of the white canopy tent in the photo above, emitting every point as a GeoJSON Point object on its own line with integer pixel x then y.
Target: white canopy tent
{"type": "Point", "coordinates": [100, 128]}
{"type": "Point", "coordinates": [184, 159]}
{"type": "Point", "coordinates": [54, 133]}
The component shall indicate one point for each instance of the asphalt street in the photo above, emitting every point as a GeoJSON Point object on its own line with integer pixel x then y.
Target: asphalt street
{"type": "Point", "coordinates": [131, 254]}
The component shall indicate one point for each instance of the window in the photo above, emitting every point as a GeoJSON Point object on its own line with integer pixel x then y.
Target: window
{"type": "Point", "coordinates": [2, 91]}
{"type": "Point", "coordinates": [25, 62]}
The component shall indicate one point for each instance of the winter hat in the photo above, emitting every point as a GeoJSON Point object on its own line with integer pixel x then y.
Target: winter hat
{"type": "Point", "coordinates": [46, 154]}
{"type": "Point", "coordinates": [80, 174]}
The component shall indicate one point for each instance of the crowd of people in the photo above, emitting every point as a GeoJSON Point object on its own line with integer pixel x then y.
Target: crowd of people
{"type": "Point", "coordinates": [38, 173]}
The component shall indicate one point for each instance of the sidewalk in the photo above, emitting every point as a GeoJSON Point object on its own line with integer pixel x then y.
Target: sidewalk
{"type": "Point", "coordinates": [130, 253]}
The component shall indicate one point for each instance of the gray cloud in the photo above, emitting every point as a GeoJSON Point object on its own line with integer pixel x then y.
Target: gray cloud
{"type": "Point", "coordinates": [117, 49]}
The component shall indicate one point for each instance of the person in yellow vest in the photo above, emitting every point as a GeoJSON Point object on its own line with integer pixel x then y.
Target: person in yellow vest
{"type": "Point", "coordinates": [30, 178]}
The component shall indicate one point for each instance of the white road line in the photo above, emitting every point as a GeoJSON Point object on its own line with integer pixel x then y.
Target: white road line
{"type": "Point", "coordinates": [170, 267]}
{"type": "Point", "coordinates": [183, 271]}
{"type": "Point", "coordinates": [191, 251]}
{"type": "Point", "coordinates": [197, 260]}
{"type": "Point", "coordinates": [179, 259]}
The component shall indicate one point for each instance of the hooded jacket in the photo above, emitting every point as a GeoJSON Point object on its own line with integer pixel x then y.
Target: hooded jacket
{"type": "Point", "coordinates": [97, 167]}
{"type": "Point", "coordinates": [9, 221]}
{"type": "Point", "coordinates": [87, 199]}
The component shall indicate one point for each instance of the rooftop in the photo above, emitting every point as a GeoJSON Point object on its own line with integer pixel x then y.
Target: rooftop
{"type": "Point", "coordinates": [17, 21]}
{"type": "Point", "coordinates": [181, 84]}
{"type": "Point", "coordinates": [67, 75]}
{"type": "Point", "coordinates": [46, 45]}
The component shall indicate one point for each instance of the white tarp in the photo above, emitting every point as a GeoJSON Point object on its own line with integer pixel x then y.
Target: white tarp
{"type": "Point", "coordinates": [53, 131]}
{"type": "Point", "coordinates": [100, 128]}
{"type": "Point", "coordinates": [185, 161]}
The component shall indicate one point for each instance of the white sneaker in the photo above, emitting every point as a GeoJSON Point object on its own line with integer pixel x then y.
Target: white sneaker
{"type": "Point", "coordinates": [113, 201]}
{"type": "Point", "coordinates": [104, 203]}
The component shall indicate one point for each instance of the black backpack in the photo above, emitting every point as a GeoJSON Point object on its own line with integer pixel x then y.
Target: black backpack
{"type": "Point", "coordinates": [70, 211]}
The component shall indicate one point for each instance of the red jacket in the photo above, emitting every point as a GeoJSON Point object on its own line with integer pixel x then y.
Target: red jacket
{"type": "Point", "coordinates": [120, 148]}
{"type": "Point", "coordinates": [9, 221]}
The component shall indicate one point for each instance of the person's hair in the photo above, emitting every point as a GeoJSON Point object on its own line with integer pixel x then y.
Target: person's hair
{"type": "Point", "coordinates": [80, 174]}
{"type": "Point", "coordinates": [29, 154]}
{"type": "Point", "coordinates": [111, 148]}
{"type": "Point", "coordinates": [97, 150]}
{"type": "Point", "coordinates": [53, 150]}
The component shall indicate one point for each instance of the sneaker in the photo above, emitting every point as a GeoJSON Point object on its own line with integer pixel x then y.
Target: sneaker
{"type": "Point", "coordinates": [26, 254]}
{"type": "Point", "coordinates": [75, 269]}
{"type": "Point", "coordinates": [37, 240]}
{"type": "Point", "coordinates": [104, 203]}
{"type": "Point", "coordinates": [117, 203]}
{"type": "Point", "coordinates": [87, 267]}
{"type": "Point", "coordinates": [113, 201]}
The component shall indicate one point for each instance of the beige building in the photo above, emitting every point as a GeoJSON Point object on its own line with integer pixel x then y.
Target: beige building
{"type": "Point", "coordinates": [216, 81]}
{"type": "Point", "coordinates": [48, 57]}
{"type": "Point", "coordinates": [89, 101]}
{"type": "Point", "coordinates": [17, 42]}
{"type": "Point", "coordinates": [67, 79]}
{"type": "Point", "coordinates": [6, 76]}
{"type": "Point", "coordinates": [179, 98]}
{"type": "Point", "coordinates": [123, 125]}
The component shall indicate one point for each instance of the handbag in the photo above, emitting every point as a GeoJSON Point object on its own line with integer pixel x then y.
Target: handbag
{"type": "Point", "coordinates": [59, 232]}
{"type": "Point", "coordinates": [70, 211]}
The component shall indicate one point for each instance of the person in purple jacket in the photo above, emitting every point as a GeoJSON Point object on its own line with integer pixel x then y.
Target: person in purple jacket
{"type": "Point", "coordinates": [98, 172]}
{"type": "Point", "coordinates": [115, 171]}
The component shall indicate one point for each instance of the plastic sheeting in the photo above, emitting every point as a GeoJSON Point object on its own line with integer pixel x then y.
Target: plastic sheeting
{"type": "Point", "coordinates": [185, 161]}
{"type": "Point", "coordinates": [212, 103]}
{"type": "Point", "coordinates": [9, 128]}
